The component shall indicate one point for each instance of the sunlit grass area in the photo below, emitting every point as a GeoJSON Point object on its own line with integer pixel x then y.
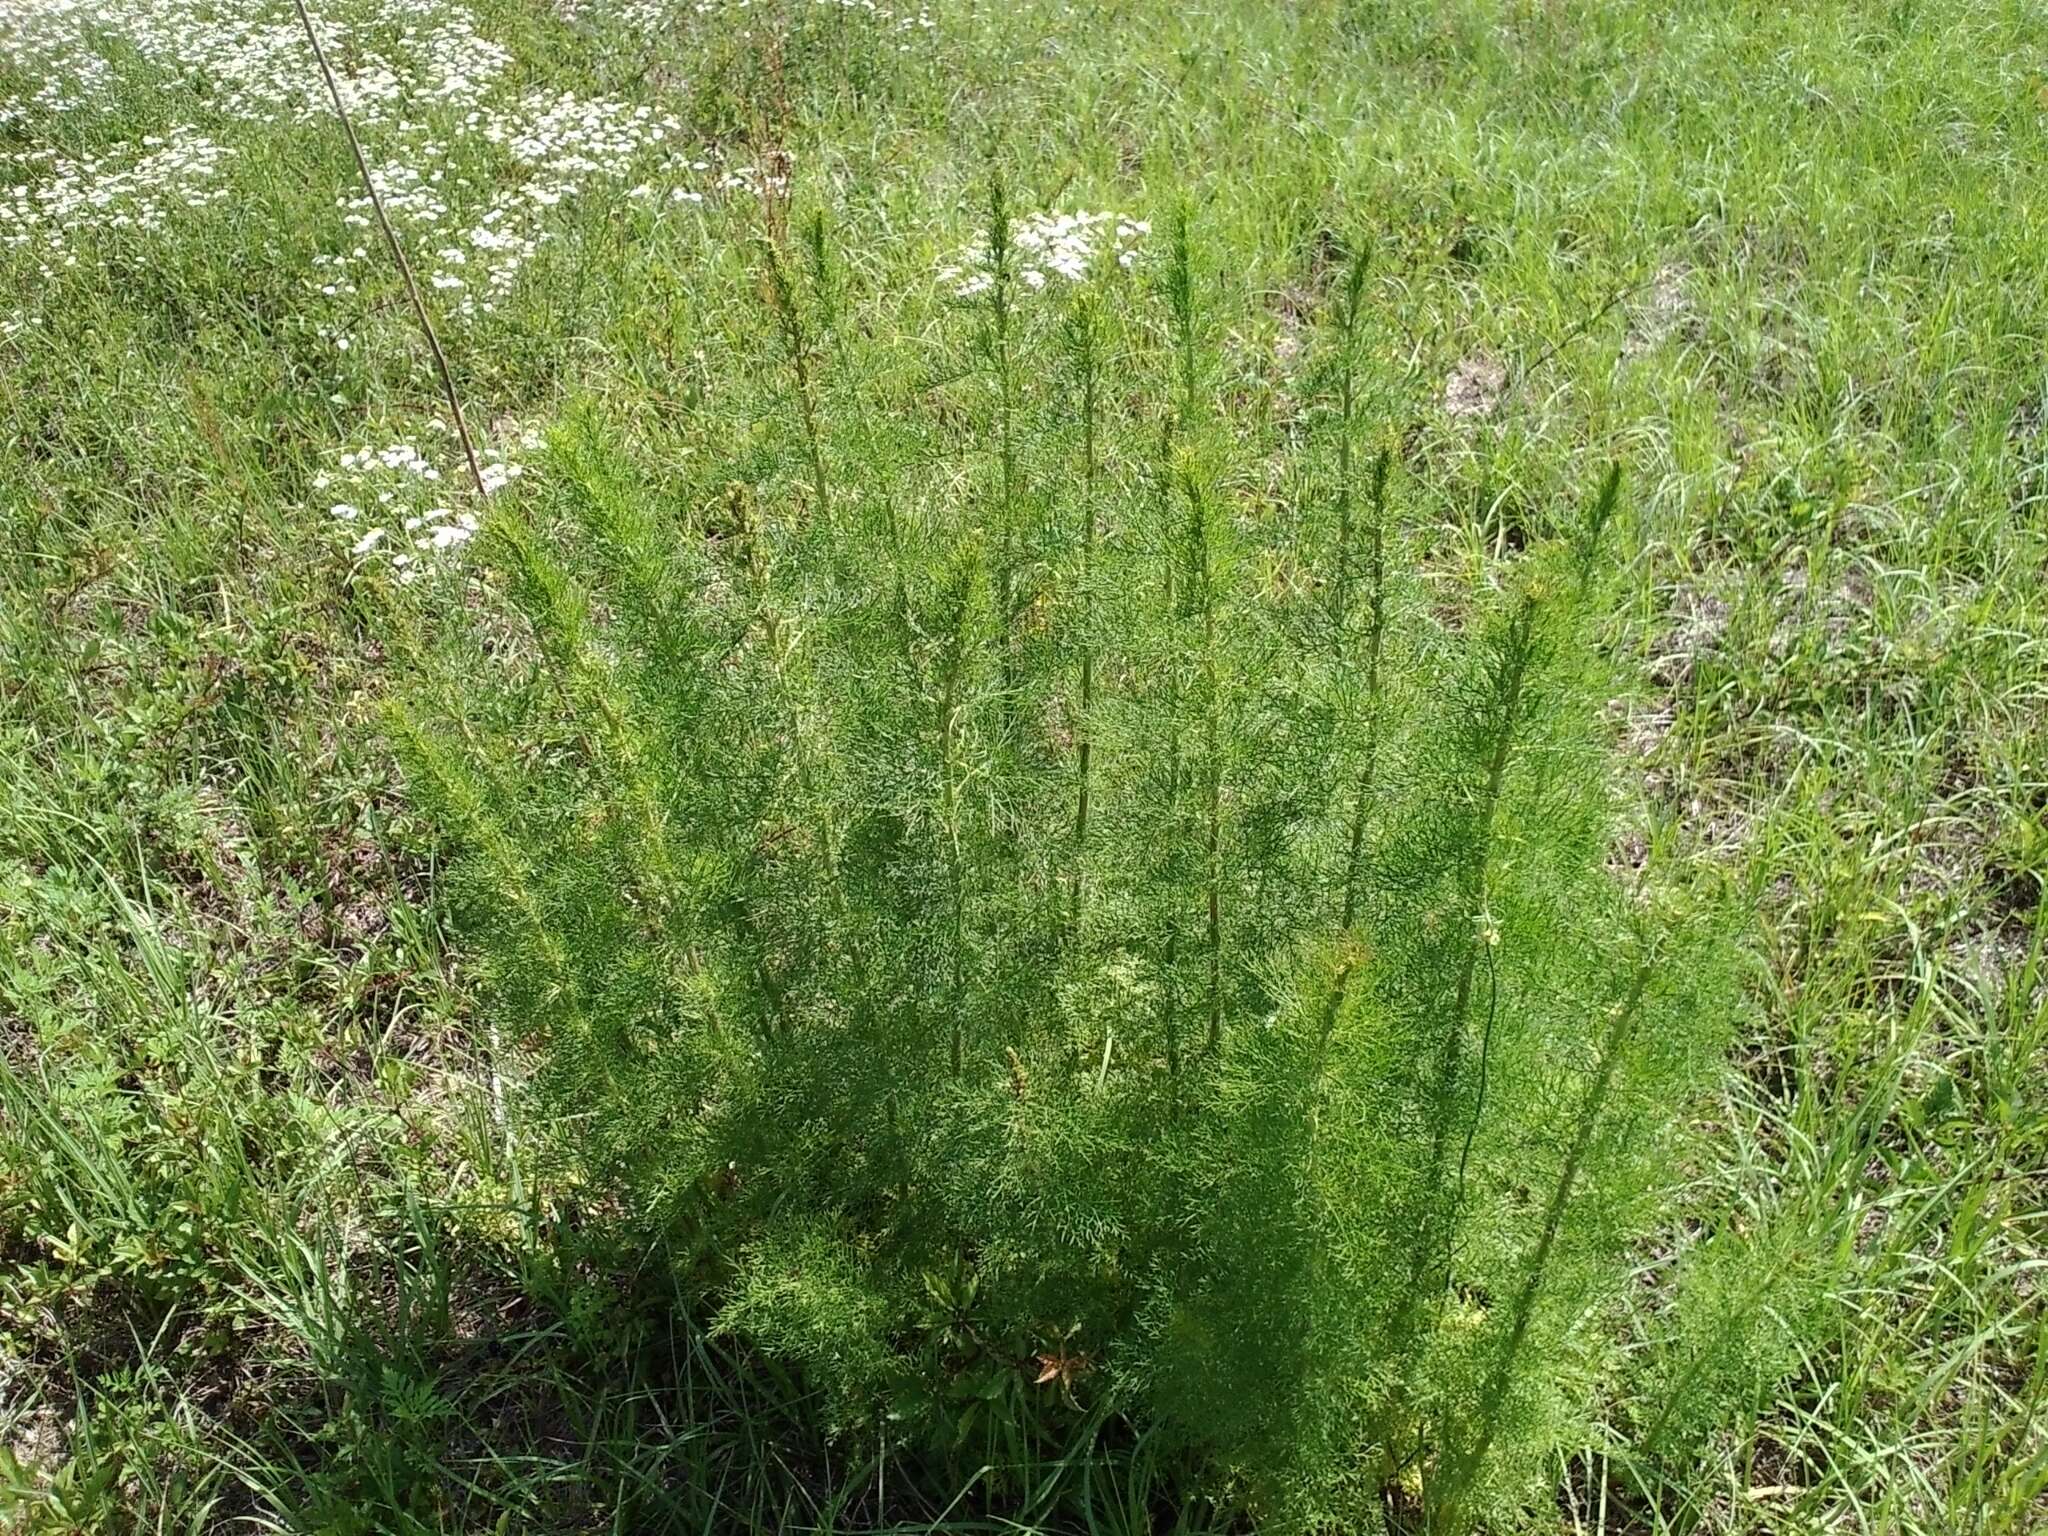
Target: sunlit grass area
{"type": "Point", "coordinates": [886, 420]}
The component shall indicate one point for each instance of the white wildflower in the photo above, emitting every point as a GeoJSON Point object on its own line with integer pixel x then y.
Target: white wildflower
{"type": "Point", "coordinates": [1044, 246]}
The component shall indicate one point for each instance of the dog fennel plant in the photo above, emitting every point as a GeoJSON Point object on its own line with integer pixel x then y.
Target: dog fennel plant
{"type": "Point", "coordinates": [1062, 934]}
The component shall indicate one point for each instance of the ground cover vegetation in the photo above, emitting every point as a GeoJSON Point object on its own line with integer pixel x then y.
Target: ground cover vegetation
{"type": "Point", "coordinates": [1144, 768]}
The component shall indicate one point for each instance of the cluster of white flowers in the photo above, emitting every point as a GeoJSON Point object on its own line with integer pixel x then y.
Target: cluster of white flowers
{"type": "Point", "coordinates": [46, 41]}
{"type": "Point", "coordinates": [654, 15]}
{"type": "Point", "coordinates": [390, 500]}
{"type": "Point", "coordinates": [903, 21]}
{"type": "Point", "coordinates": [410, 195]}
{"type": "Point", "coordinates": [558, 145]}
{"type": "Point", "coordinates": [418, 73]}
{"type": "Point", "coordinates": [564, 143]}
{"type": "Point", "coordinates": [758, 181]}
{"type": "Point", "coordinates": [247, 61]}
{"type": "Point", "coordinates": [336, 271]}
{"type": "Point", "coordinates": [472, 173]}
{"type": "Point", "coordinates": [209, 62]}
{"type": "Point", "coordinates": [1051, 245]}
{"type": "Point", "coordinates": [130, 187]}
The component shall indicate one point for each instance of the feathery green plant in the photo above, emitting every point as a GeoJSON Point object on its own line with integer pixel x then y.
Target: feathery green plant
{"type": "Point", "coordinates": [1066, 968]}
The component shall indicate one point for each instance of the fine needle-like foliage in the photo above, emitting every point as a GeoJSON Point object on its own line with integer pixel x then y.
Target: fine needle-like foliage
{"type": "Point", "coordinates": [1038, 930]}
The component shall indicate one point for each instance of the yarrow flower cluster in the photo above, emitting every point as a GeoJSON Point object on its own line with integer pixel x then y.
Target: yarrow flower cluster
{"type": "Point", "coordinates": [239, 63]}
{"type": "Point", "coordinates": [474, 171]}
{"type": "Point", "coordinates": [1044, 246]}
{"type": "Point", "coordinates": [563, 143]}
{"type": "Point", "coordinates": [390, 499]}
{"type": "Point", "coordinates": [130, 187]}
{"type": "Point", "coordinates": [556, 147]}
{"type": "Point", "coordinates": [471, 174]}
{"type": "Point", "coordinates": [247, 62]}
{"type": "Point", "coordinates": [654, 15]}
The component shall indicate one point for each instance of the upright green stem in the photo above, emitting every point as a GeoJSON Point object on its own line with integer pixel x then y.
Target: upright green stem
{"type": "Point", "coordinates": [797, 343]}
{"type": "Point", "coordinates": [1593, 531]}
{"type": "Point", "coordinates": [1347, 426]}
{"type": "Point", "coordinates": [1085, 340]}
{"type": "Point", "coordinates": [823, 285]}
{"type": "Point", "coordinates": [1202, 572]}
{"type": "Point", "coordinates": [950, 708]}
{"type": "Point", "coordinates": [1180, 297]}
{"type": "Point", "coordinates": [1461, 1466]}
{"type": "Point", "coordinates": [1431, 1250]}
{"type": "Point", "coordinates": [1354, 294]}
{"type": "Point", "coordinates": [1001, 262]}
{"type": "Point", "coordinates": [1375, 643]}
{"type": "Point", "coordinates": [1170, 991]}
{"type": "Point", "coordinates": [806, 732]}
{"type": "Point", "coordinates": [1516, 653]}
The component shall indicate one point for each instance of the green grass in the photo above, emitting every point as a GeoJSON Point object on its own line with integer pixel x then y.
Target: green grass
{"type": "Point", "coordinates": [271, 1260]}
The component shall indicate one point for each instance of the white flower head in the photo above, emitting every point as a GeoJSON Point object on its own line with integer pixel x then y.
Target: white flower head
{"type": "Point", "coordinates": [1069, 247]}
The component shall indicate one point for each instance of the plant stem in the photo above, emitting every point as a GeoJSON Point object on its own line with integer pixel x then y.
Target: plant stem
{"type": "Point", "coordinates": [1460, 1467]}
{"type": "Point", "coordinates": [1174, 424]}
{"type": "Point", "coordinates": [1515, 658]}
{"type": "Point", "coordinates": [1201, 565]}
{"type": "Point", "coordinates": [1087, 356]}
{"type": "Point", "coordinates": [1516, 652]}
{"type": "Point", "coordinates": [950, 707]}
{"type": "Point", "coordinates": [1170, 991]}
{"type": "Point", "coordinates": [412, 288]}
{"type": "Point", "coordinates": [782, 299]}
{"type": "Point", "coordinates": [1180, 295]}
{"type": "Point", "coordinates": [1000, 260]}
{"type": "Point", "coordinates": [1375, 638]}
{"type": "Point", "coordinates": [1354, 292]}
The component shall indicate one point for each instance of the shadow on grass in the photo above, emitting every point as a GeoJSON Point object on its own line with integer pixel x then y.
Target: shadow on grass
{"type": "Point", "coordinates": [429, 1381]}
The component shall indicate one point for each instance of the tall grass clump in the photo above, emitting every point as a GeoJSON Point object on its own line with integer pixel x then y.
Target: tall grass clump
{"type": "Point", "coordinates": [1060, 939]}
